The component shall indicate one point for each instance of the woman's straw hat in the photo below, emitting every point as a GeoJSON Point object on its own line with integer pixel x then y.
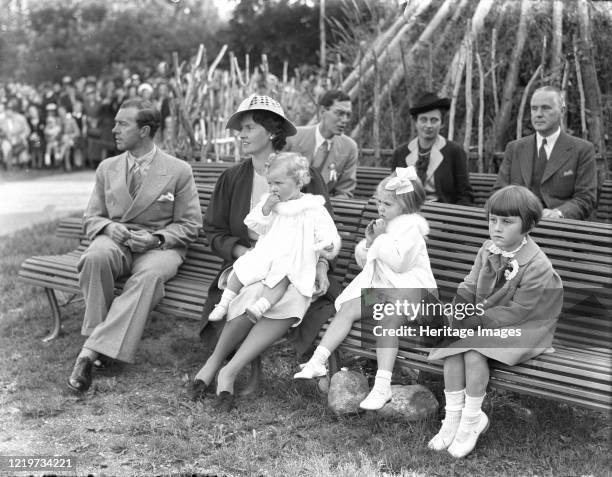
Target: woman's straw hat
{"type": "Point", "coordinates": [260, 103]}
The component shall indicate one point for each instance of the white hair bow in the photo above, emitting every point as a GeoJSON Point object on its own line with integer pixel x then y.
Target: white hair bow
{"type": "Point", "coordinates": [402, 183]}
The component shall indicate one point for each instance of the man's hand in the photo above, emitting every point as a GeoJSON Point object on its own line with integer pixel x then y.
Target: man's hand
{"type": "Point", "coordinates": [117, 232]}
{"type": "Point", "coordinates": [552, 214]}
{"type": "Point", "coordinates": [269, 204]}
{"type": "Point", "coordinates": [141, 241]}
{"type": "Point", "coordinates": [321, 280]}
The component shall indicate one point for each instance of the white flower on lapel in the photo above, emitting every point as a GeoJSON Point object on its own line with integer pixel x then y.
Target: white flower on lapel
{"type": "Point", "coordinates": [512, 270]}
{"type": "Point", "coordinates": [167, 197]}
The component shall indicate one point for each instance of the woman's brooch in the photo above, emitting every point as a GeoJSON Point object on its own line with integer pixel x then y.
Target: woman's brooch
{"type": "Point", "coordinates": [512, 270]}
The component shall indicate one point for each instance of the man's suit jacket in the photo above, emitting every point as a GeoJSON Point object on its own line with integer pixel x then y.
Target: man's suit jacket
{"type": "Point", "coordinates": [447, 164]}
{"type": "Point", "coordinates": [569, 182]}
{"type": "Point", "coordinates": [342, 153]}
{"type": "Point", "coordinates": [167, 202]}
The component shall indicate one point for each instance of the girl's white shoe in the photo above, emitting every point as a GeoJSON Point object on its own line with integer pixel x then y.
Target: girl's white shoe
{"type": "Point", "coordinates": [377, 398]}
{"type": "Point", "coordinates": [218, 313]}
{"type": "Point", "coordinates": [445, 435]}
{"type": "Point", "coordinates": [467, 436]}
{"type": "Point", "coordinates": [310, 371]}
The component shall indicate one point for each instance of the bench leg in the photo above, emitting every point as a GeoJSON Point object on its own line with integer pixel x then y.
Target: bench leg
{"type": "Point", "coordinates": [254, 379]}
{"type": "Point", "coordinates": [56, 316]}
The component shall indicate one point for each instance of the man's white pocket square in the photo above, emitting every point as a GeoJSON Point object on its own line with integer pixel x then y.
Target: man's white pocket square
{"type": "Point", "coordinates": [167, 197]}
{"type": "Point", "coordinates": [568, 173]}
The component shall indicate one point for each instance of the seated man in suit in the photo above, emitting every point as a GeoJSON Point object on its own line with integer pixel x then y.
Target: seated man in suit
{"type": "Point", "coordinates": [326, 146]}
{"type": "Point", "coordinates": [560, 169]}
{"type": "Point", "coordinates": [143, 213]}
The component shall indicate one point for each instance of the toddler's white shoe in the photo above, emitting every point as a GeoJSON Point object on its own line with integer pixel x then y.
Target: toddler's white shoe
{"type": "Point", "coordinates": [376, 399]}
{"type": "Point", "coordinates": [467, 436]}
{"type": "Point", "coordinates": [218, 313]}
{"type": "Point", "coordinates": [311, 371]}
{"type": "Point", "coordinates": [445, 435]}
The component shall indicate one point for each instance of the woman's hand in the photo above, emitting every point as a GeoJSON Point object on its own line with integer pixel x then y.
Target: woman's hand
{"type": "Point", "coordinates": [239, 250]}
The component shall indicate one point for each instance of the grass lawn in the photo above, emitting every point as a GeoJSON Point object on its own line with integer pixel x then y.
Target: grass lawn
{"type": "Point", "coordinates": [139, 421]}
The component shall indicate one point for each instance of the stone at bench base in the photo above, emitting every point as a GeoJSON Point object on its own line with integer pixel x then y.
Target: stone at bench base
{"type": "Point", "coordinates": [346, 390]}
{"type": "Point", "coordinates": [410, 403]}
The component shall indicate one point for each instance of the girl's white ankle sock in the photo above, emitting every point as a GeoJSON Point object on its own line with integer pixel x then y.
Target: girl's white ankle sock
{"type": "Point", "coordinates": [320, 355]}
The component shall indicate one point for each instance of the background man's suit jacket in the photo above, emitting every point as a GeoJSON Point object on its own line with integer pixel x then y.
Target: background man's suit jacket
{"type": "Point", "coordinates": [569, 182]}
{"type": "Point", "coordinates": [167, 202]}
{"type": "Point", "coordinates": [343, 153]}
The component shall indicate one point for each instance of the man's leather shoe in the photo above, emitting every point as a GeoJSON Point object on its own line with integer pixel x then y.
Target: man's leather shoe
{"type": "Point", "coordinates": [81, 375]}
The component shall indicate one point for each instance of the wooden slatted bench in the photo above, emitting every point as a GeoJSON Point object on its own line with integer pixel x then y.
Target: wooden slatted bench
{"type": "Point", "coordinates": [186, 292]}
{"type": "Point", "coordinates": [579, 371]}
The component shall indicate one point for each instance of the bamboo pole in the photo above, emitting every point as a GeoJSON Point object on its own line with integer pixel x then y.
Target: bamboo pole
{"type": "Point", "coordinates": [494, 72]}
{"type": "Point", "coordinates": [524, 96]}
{"type": "Point", "coordinates": [583, 123]}
{"type": "Point", "coordinates": [441, 14]}
{"type": "Point", "coordinates": [557, 41]}
{"type": "Point", "coordinates": [376, 115]}
{"type": "Point", "coordinates": [564, 81]}
{"type": "Point", "coordinates": [393, 44]}
{"type": "Point", "coordinates": [469, 106]}
{"type": "Point", "coordinates": [456, 88]}
{"type": "Point", "coordinates": [477, 21]}
{"type": "Point", "coordinates": [481, 87]}
{"type": "Point", "coordinates": [322, 40]}
{"type": "Point", "coordinates": [505, 111]}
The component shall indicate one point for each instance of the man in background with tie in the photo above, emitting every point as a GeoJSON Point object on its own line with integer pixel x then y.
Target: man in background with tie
{"type": "Point", "coordinates": [326, 146]}
{"type": "Point", "coordinates": [560, 169]}
{"type": "Point", "coordinates": [143, 213]}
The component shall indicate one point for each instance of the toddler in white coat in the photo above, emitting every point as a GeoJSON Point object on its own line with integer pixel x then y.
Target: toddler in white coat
{"type": "Point", "coordinates": [294, 229]}
{"type": "Point", "coordinates": [392, 255]}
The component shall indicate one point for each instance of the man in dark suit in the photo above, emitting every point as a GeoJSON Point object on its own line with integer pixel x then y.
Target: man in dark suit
{"type": "Point", "coordinates": [143, 213]}
{"type": "Point", "coordinates": [325, 145]}
{"type": "Point", "coordinates": [560, 169]}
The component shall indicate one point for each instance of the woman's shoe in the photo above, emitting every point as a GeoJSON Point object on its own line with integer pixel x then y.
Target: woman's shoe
{"type": "Point", "coordinates": [197, 389]}
{"type": "Point", "coordinates": [466, 438]}
{"type": "Point", "coordinates": [225, 401]}
{"type": "Point", "coordinates": [311, 371]}
{"type": "Point", "coordinates": [376, 399]}
{"type": "Point", "coordinates": [81, 374]}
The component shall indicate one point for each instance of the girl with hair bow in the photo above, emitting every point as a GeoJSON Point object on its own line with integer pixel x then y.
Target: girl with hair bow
{"type": "Point", "coordinates": [392, 255]}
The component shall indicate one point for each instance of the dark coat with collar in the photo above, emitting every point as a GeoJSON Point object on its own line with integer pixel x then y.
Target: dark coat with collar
{"type": "Point", "coordinates": [569, 182]}
{"type": "Point", "coordinates": [448, 164]}
{"type": "Point", "coordinates": [224, 227]}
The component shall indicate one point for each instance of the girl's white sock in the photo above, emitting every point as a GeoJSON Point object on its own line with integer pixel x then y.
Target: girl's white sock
{"type": "Point", "coordinates": [382, 379]}
{"type": "Point", "coordinates": [260, 306]}
{"type": "Point", "coordinates": [320, 355]}
{"type": "Point", "coordinates": [472, 409]}
{"type": "Point", "coordinates": [454, 406]}
{"type": "Point", "coordinates": [226, 298]}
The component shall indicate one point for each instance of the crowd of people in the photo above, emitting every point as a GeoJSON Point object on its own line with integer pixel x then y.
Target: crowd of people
{"type": "Point", "coordinates": [271, 223]}
{"type": "Point", "coordinates": [68, 124]}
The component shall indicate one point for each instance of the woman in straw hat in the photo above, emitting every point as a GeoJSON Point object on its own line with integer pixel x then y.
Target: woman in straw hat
{"type": "Point", "coordinates": [441, 164]}
{"type": "Point", "coordinates": [263, 129]}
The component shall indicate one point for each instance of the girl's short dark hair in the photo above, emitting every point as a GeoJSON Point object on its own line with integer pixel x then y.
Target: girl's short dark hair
{"type": "Point", "coordinates": [515, 200]}
{"type": "Point", "coordinates": [274, 125]}
{"type": "Point", "coordinates": [411, 202]}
